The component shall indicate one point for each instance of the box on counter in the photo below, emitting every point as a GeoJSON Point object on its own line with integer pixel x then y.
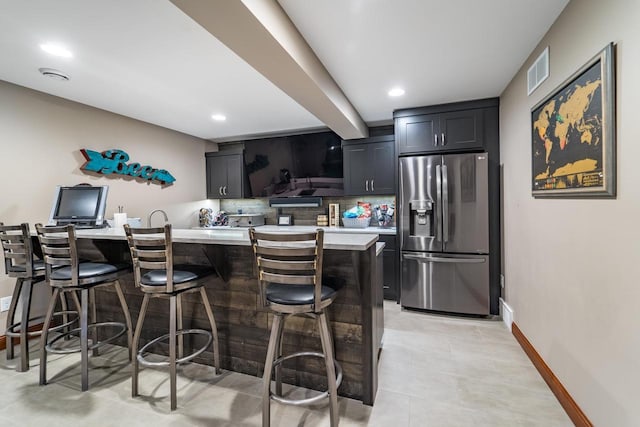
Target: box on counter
{"type": "Point", "coordinates": [245, 220]}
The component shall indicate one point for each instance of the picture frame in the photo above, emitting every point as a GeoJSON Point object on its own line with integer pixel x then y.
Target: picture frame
{"type": "Point", "coordinates": [285, 220]}
{"type": "Point", "coordinates": [573, 145]}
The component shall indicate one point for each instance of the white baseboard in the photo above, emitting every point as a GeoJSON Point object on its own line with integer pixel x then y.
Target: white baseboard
{"type": "Point", "coordinates": [507, 313]}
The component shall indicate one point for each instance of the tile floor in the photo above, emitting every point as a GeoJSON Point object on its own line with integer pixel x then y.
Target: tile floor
{"type": "Point", "coordinates": [434, 371]}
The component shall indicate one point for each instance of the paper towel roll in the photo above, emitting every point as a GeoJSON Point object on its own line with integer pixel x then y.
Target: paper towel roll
{"type": "Point", "coordinates": [119, 219]}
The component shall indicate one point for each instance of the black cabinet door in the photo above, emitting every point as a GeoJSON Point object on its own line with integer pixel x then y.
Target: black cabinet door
{"type": "Point", "coordinates": [369, 166]}
{"type": "Point", "coordinates": [417, 134]}
{"type": "Point", "coordinates": [390, 282]}
{"type": "Point", "coordinates": [390, 273]}
{"type": "Point", "coordinates": [462, 130]}
{"type": "Point", "coordinates": [355, 166]}
{"type": "Point", "coordinates": [382, 167]}
{"type": "Point", "coordinates": [216, 177]}
{"type": "Point", "coordinates": [233, 188]}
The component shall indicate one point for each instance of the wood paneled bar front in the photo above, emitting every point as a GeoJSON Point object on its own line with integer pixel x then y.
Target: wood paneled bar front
{"type": "Point", "coordinates": [243, 327]}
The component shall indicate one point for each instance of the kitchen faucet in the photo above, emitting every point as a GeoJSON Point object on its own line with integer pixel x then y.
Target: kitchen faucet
{"type": "Point", "coordinates": [166, 219]}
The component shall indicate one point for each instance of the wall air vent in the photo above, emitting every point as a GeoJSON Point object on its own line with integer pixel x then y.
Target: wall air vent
{"type": "Point", "coordinates": [538, 72]}
{"type": "Point", "coordinates": [54, 74]}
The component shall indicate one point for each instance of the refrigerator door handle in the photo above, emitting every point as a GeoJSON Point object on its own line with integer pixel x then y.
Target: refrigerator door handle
{"type": "Point", "coordinates": [445, 204]}
{"type": "Point", "coordinates": [427, 258]}
{"type": "Point", "coordinates": [438, 204]}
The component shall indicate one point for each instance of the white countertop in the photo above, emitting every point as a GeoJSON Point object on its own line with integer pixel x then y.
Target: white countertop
{"type": "Point", "coordinates": [240, 236]}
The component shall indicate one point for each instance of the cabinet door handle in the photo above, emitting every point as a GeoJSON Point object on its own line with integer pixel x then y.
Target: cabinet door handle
{"type": "Point", "coordinates": [372, 185]}
{"type": "Point", "coordinates": [224, 190]}
{"type": "Point", "coordinates": [366, 185]}
{"type": "Point", "coordinates": [220, 191]}
{"type": "Point", "coordinates": [443, 140]}
{"type": "Point", "coordinates": [435, 139]}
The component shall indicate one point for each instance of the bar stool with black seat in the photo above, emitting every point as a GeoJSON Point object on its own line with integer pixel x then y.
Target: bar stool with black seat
{"type": "Point", "coordinates": [291, 283]}
{"type": "Point", "coordinates": [66, 274]}
{"type": "Point", "coordinates": [155, 274]}
{"type": "Point", "coordinates": [20, 264]}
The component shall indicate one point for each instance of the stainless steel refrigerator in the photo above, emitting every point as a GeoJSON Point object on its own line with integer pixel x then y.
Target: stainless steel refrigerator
{"type": "Point", "coordinates": [444, 233]}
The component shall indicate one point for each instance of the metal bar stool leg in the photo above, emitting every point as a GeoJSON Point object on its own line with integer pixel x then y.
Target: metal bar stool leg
{"type": "Point", "coordinates": [327, 348]}
{"type": "Point", "coordinates": [127, 317]}
{"type": "Point", "coordinates": [172, 351]}
{"type": "Point", "coordinates": [65, 317]}
{"type": "Point", "coordinates": [24, 325]}
{"type": "Point", "coordinates": [214, 329]}
{"type": "Point", "coordinates": [76, 302]}
{"type": "Point", "coordinates": [44, 336]}
{"type": "Point", "coordinates": [268, 367]}
{"type": "Point", "coordinates": [179, 322]}
{"type": "Point", "coordinates": [11, 316]}
{"type": "Point", "coordinates": [134, 347]}
{"type": "Point", "coordinates": [94, 319]}
{"type": "Point", "coordinates": [84, 339]}
{"type": "Point", "coordinates": [278, 368]}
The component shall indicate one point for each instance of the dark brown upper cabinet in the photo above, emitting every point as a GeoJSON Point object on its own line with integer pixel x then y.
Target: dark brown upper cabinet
{"type": "Point", "coordinates": [460, 127]}
{"type": "Point", "coordinates": [369, 166]}
{"type": "Point", "coordinates": [225, 175]}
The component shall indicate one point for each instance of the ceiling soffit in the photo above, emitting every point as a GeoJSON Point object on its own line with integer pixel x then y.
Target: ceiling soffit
{"type": "Point", "coordinates": [262, 34]}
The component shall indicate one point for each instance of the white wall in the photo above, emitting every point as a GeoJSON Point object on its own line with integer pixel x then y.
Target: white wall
{"type": "Point", "coordinates": [573, 266]}
{"type": "Point", "coordinates": [40, 139]}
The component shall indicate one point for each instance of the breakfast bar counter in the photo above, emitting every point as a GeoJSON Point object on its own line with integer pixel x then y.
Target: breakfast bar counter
{"type": "Point", "coordinates": [243, 326]}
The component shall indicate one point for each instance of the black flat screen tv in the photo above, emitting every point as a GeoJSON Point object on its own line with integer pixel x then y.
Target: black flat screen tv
{"type": "Point", "coordinates": [295, 166]}
{"type": "Point", "coordinates": [80, 205]}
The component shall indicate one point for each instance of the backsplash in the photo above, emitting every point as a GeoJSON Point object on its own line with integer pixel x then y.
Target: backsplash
{"type": "Point", "coordinates": [301, 216]}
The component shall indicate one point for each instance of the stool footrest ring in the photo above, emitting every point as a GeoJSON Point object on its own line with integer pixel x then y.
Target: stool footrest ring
{"type": "Point", "coordinates": [184, 359]}
{"type": "Point", "coordinates": [310, 400]}
{"type": "Point", "coordinates": [51, 349]}
{"type": "Point", "coordinates": [11, 332]}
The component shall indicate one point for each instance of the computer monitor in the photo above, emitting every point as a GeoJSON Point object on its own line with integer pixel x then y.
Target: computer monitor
{"type": "Point", "coordinates": [82, 205]}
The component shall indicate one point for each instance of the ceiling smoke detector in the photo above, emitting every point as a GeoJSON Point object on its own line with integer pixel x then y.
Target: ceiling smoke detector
{"type": "Point", "coordinates": [54, 74]}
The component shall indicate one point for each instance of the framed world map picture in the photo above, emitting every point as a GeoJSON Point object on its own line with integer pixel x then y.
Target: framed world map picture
{"type": "Point", "coordinates": [573, 134]}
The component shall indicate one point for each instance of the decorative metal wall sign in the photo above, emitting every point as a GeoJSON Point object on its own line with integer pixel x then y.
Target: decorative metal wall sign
{"type": "Point", "coordinates": [115, 161]}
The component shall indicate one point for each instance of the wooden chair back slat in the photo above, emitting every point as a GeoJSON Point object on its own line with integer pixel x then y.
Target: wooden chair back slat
{"type": "Point", "coordinates": [285, 237]}
{"type": "Point", "coordinates": [55, 251]}
{"type": "Point", "coordinates": [273, 264]}
{"type": "Point", "coordinates": [13, 242]}
{"type": "Point", "coordinates": [150, 253]}
{"type": "Point", "coordinates": [287, 279]}
{"type": "Point", "coordinates": [57, 262]}
{"type": "Point", "coordinates": [292, 252]}
{"type": "Point", "coordinates": [52, 241]}
{"type": "Point", "coordinates": [152, 265]}
{"type": "Point", "coordinates": [149, 242]}
{"type": "Point", "coordinates": [17, 257]}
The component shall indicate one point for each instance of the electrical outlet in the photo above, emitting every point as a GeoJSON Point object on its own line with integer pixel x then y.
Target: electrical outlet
{"type": "Point", "coordinates": [5, 303]}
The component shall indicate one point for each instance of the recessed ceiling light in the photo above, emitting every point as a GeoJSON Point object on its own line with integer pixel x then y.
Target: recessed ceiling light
{"type": "Point", "coordinates": [396, 91]}
{"type": "Point", "coordinates": [218, 117]}
{"type": "Point", "coordinates": [53, 74]}
{"type": "Point", "coordinates": [56, 50]}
